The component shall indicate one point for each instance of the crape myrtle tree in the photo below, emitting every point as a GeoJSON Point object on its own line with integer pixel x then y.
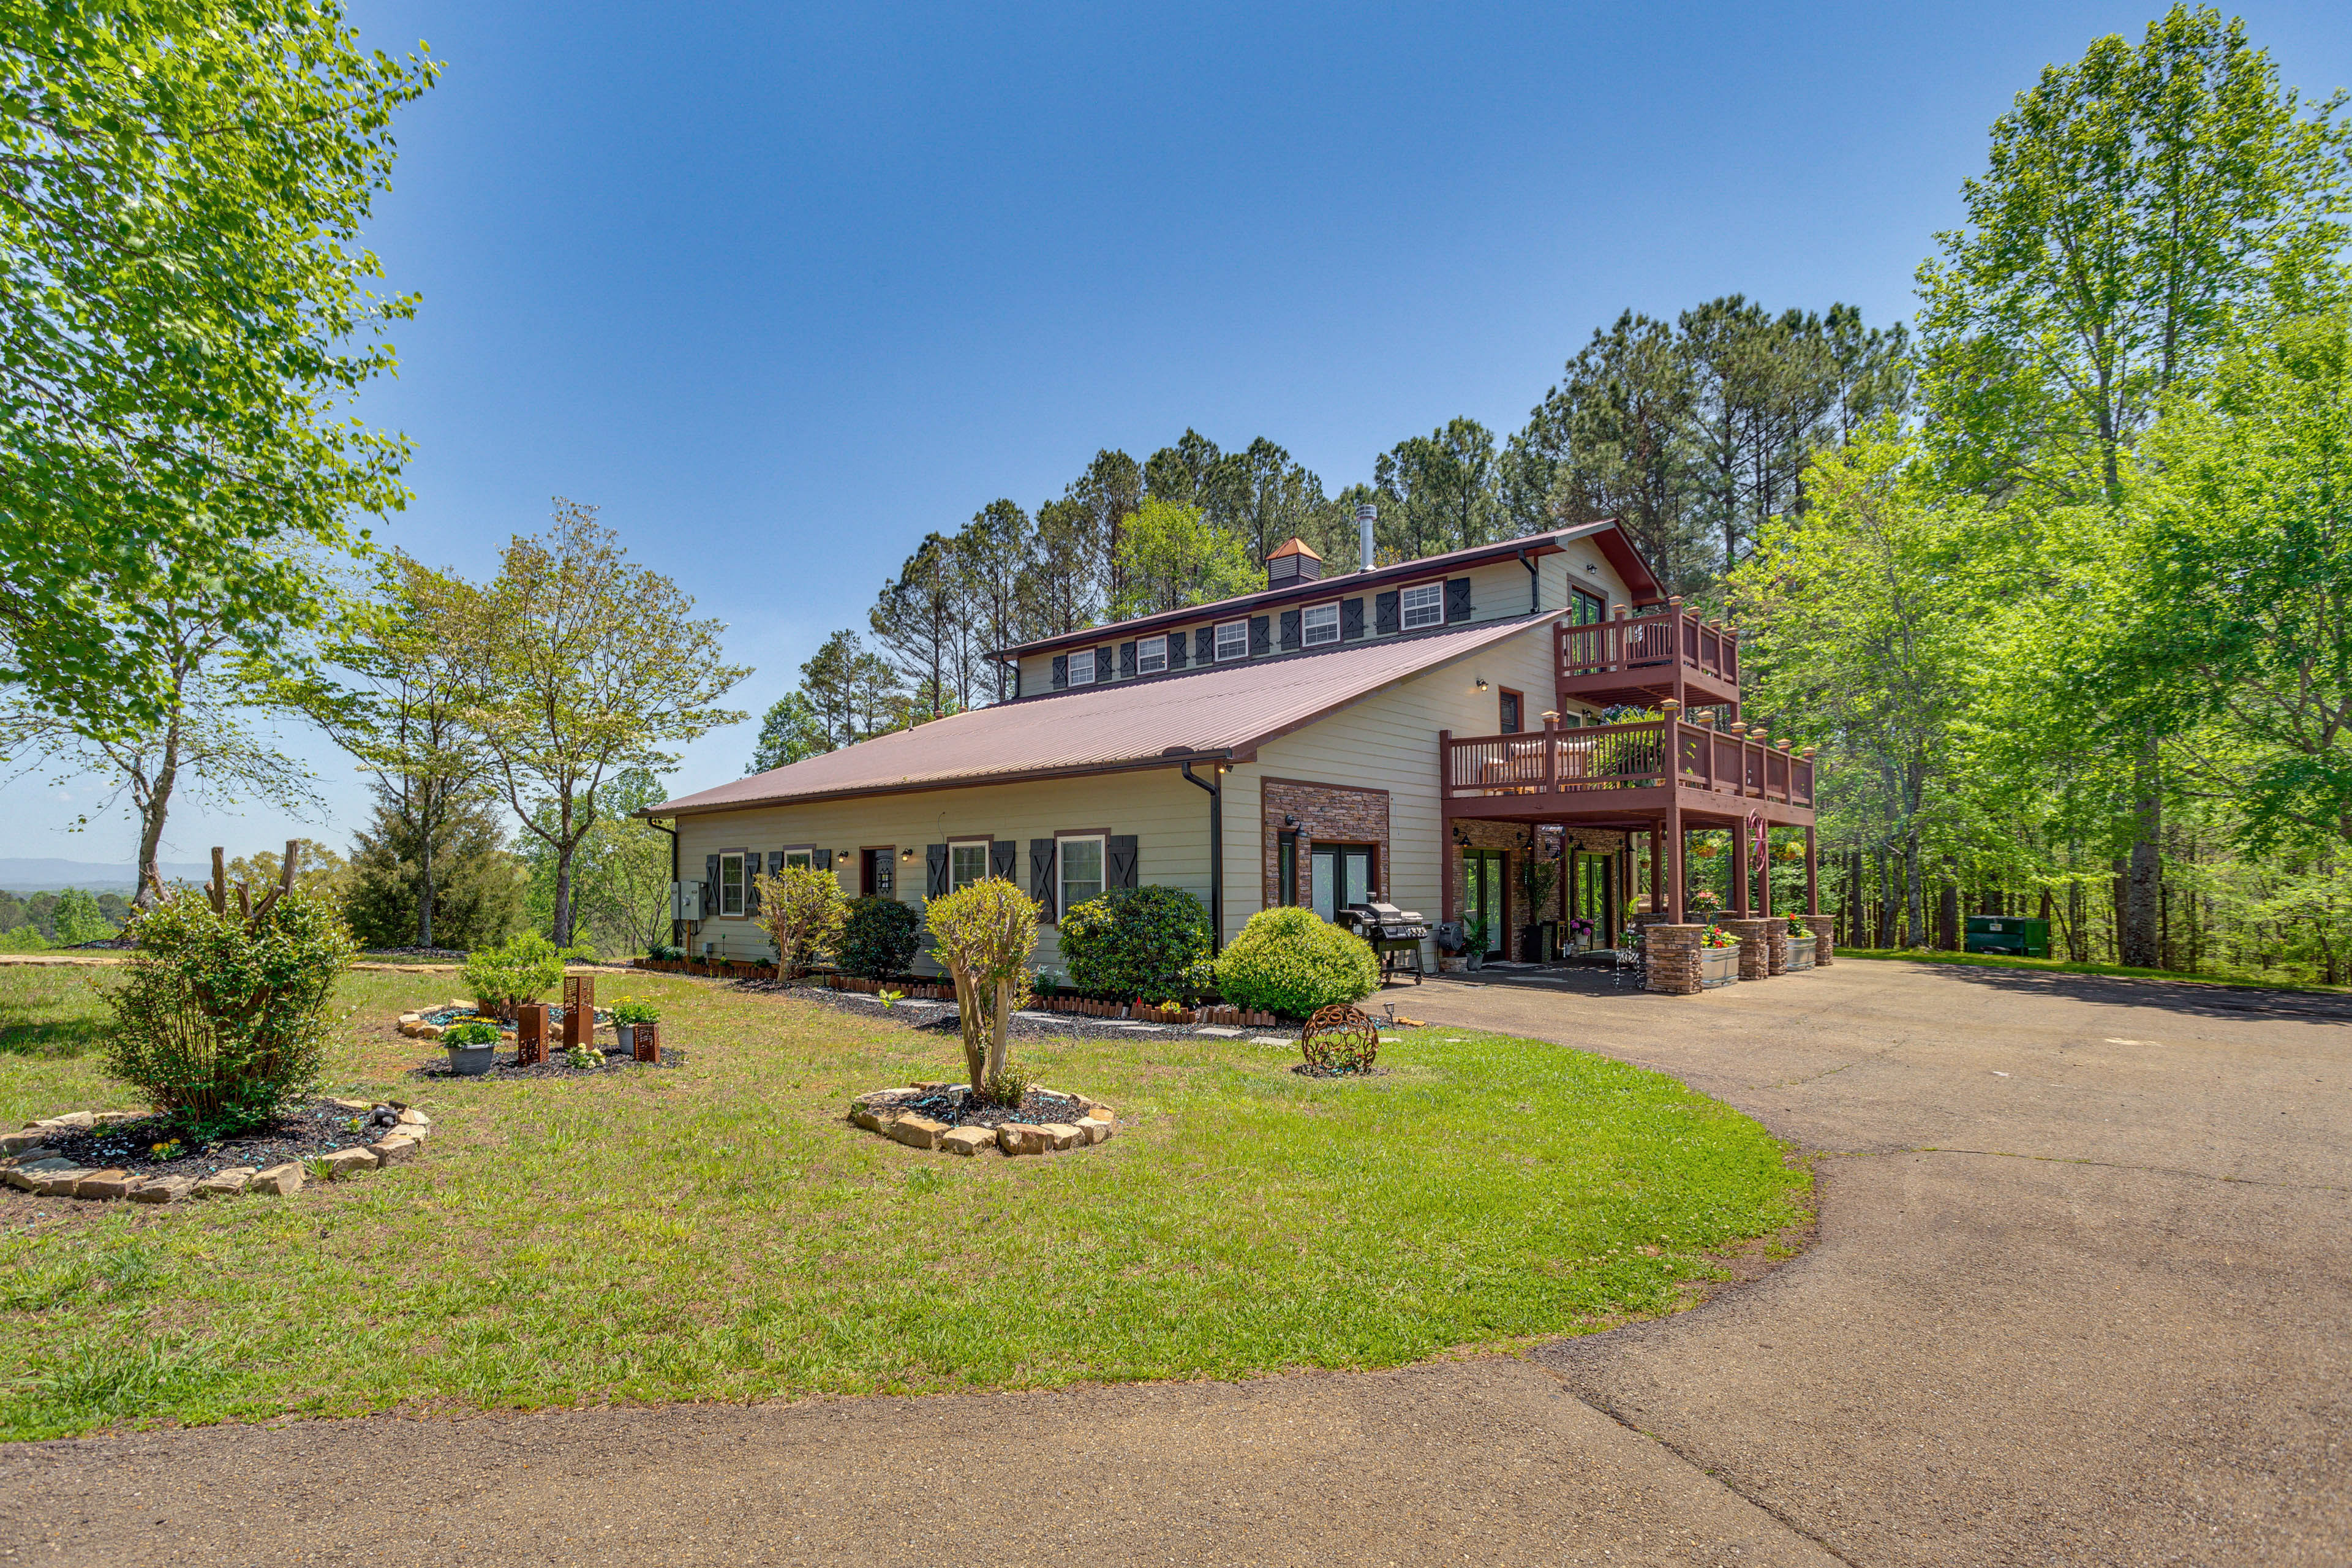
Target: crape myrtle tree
{"type": "Point", "coordinates": [184, 308]}
{"type": "Point", "coordinates": [579, 664]}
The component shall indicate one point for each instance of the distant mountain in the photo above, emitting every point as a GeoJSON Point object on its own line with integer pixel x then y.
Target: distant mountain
{"type": "Point", "coordinates": [49, 875]}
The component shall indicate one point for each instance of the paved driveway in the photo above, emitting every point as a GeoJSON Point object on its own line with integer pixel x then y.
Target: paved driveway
{"type": "Point", "coordinates": [2083, 1294]}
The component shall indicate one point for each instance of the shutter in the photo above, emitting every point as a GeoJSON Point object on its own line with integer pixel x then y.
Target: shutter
{"type": "Point", "coordinates": [710, 882]}
{"type": "Point", "coordinates": [751, 883]}
{"type": "Point", "coordinates": [1289, 630]}
{"type": "Point", "coordinates": [1102, 667]}
{"type": "Point", "coordinates": [1120, 852]}
{"type": "Point", "coordinates": [1127, 661]}
{"type": "Point", "coordinates": [1351, 619]}
{"type": "Point", "coordinates": [1204, 645]}
{"type": "Point", "coordinates": [1457, 599]}
{"type": "Point", "coordinates": [1061, 670]}
{"type": "Point", "coordinates": [1261, 638]}
{"type": "Point", "coordinates": [1386, 618]}
{"type": "Point", "coordinates": [1004, 860]}
{"type": "Point", "coordinates": [1176, 650]}
{"type": "Point", "coordinates": [775, 862]}
{"type": "Point", "coordinates": [1041, 876]}
{"type": "Point", "coordinates": [935, 861]}
{"type": "Point", "coordinates": [824, 860]}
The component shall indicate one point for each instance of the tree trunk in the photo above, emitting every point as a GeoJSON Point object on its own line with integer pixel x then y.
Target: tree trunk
{"type": "Point", "coordinates": [425, 827]}
{"type": "Point", "coordinates": [562, 920]}
{"type": "Point", "coordinates": [1915, 901]}
{"type": "Point", "coordinates": [1000, 1027]}
{"type": "Point", "coordinates": [2138, 941]}
{"type": "Point", "coordinates": [151, 811]}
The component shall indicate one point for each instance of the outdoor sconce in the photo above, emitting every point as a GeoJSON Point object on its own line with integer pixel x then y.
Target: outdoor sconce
{"type": "Point", "coordinates": [1482, 686]}
{"type": "Point", "coordinates": [908, 853]}
{"type": "Point", "coordinates": [1288, 820]}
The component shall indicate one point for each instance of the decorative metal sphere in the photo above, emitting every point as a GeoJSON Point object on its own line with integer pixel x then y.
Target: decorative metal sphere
{"type": "Point", "coordinates": [1340, 1038]}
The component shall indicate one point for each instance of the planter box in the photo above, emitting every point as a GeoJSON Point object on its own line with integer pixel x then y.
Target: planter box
{"type": "Point", "coordinates": [1717, 966]}
{"type": "Point", "coordinates": [1800, 956]}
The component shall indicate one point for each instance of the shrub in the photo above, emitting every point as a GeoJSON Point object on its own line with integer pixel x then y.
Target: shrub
{"type": "Point", "coordinates": [1136, 942]}
{"type": "Point", "coordinates": [985, 933]}
{"type": "Point", "coordinates": [632, 1010]}
{"type": "Point", "coordinates": [471, 1032]}
{"type": "Point", "coordinates": [879, 937]}
{"type": "Point", "coordinates": [222, 1017]}
{"type": "Point", "coordinates": [802, 911]}
{"type": "Point", "coordinates": [524, 970]}
{"type": "Point", "coordinates": [1289, 961]}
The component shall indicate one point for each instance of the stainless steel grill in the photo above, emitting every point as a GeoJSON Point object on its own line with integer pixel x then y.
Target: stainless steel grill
{"type": "Point", "coordinates": [1394, 934]}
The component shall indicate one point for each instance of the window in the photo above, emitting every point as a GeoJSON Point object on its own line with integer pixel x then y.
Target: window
{"type": "Point", "coordinates": [1342, 876]}
{"type": "Point", "coordinates": [803, 858]}
{"type": "Point", "coordinates": [1233, 640]}
{"type": "Point", "coordinates": [730, 883]}
{"type": "Point", "coordinates": [1082, 668]}
{"type": "Point", "coordinates": [1081, 873]}
{"type": "Point", "coordinates": [1512, 703]}
{"type": "Point", "coordinates": [967, 863]}
{"type": "Point", "coordinates": [1423, 605]}
{"type": "Point", "coordinates": [1152, 656]}
{"type": "Point", "coordinates": [1321, 623]}
{"type": "Point", "coordinates": [1585, 608]}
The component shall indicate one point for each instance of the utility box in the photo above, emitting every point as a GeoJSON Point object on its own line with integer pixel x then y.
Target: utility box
{"type": "Point", "coordinates": [2013, 934]}
{"type": "Point", "coordinates": [686, 901]}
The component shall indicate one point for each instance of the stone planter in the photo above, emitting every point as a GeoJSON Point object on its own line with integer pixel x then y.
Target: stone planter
{"type": "Point", "coordinates": [1717, 966]}
{"type": "Point", "coordinates": [472, 1061]}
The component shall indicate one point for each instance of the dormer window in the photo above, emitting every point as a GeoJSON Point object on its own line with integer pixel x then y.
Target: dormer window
{"type": "Point", "coordinates": [1082, 668]}
{"type": "Point", "coordinates": [1319, 623]}
{"type": "Point", "coordinates": [1423, 605]}
{"type": "Point", "coordinates": [1152, 656]}
{"type": "Point", "coordinates": [1233, 640]}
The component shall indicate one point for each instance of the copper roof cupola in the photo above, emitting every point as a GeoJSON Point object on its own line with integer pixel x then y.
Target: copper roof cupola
{"type": "Point", "coordinates": [1292, 562]}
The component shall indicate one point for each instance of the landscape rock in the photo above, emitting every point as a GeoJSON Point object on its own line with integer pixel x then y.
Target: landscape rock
{"type": "Point", "coordinates": [871, 1120]}
{"type": "Point", "coordinates": [344, 1162]}
{"type": "Point", "coordinates": [109, 1117]}
{"type": "Point", "coordinates": [225, 1183]}
{"type": "Point", "coordinates": [1102, 1112]}
{"type": "Point", "coordinates": [1062, 1135]}
{"type": "Point", "coordinates": [412, 1117]}
{"type": "Point", "coordinates": [70, 1118]}
{"type": "Point", "coordinates": [281, 1180]}
{"type": "Point", "coordinates": [918, 1131]}
{"type": "Point", "coordinates": [162, 1189]}
{"type": "Point", "coordinates": [1093, 1129]}
{"type": "Point", "coordinates": [28, 1177]}
{"type": "Point", "coordinates": [114, 1182]}
{"type": "Point", "coordinates": [350, 1104]}
{"type": "Point", "coordinates": [969, 1141]}
{"type": "Point", "coordinates": [14, 1143]}
{"type": "Point", "coordinates": [1023, 1138]}
{"type": "Point", "coordinates": [58, 1183]}
{"type": "Point", "coordinates": [428, 1031]}
{"type": "Point", "coordinates": [392, 1150]}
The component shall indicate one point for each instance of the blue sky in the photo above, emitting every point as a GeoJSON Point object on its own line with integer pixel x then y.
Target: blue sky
{"type": "Point", "coordinates": [782, 288]}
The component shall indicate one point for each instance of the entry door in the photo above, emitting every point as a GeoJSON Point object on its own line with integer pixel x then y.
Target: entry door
{"type": "Point", "coordinates": [1483, 897]}
{"type": "Point", "coordinates": [1342, 875]}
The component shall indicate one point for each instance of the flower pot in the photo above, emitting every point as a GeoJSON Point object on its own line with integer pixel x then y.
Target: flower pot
{"type": "Point", "coordinates": [472, 1061]}
{"type": "Point", "coordinates": [1717, 966]}
{"type": "Point", "coordinates": [1801, 955]}
{"type": "Point", "coordinates": [627, 1033]}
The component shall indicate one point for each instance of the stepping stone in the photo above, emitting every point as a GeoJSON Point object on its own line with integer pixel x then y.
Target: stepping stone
{"type": "Point", "coordinates": [1271, 1040]}
{"type": "Point", "coordinates": [1220, 1031]}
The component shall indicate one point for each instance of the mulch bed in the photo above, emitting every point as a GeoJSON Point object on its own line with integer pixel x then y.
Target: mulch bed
{"type": "Point", "coordinates": [557, 1064]}
{"type": "Point", "coordinates": [418, 954]}
{"type": "Point", "coordinates": [314, 1127]}
{"type": "Point", "coordinates": [955, 1105]}
{"type": "Point", "coordinates": [942, 1017]}
{"type": "Point", "coordinates": [1308, 1069]}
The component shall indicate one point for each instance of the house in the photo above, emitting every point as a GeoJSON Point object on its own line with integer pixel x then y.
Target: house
{"type": "Point", "coordinates": [1413, 733]}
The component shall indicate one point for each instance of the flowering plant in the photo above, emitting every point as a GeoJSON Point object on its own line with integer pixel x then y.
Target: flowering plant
{"type": "Point", "coordinates": [1581, 926]}
{"type": "Point", "coordinates": [1706, 899]}
{"type": "Point", "coordinates": [1716, 936]}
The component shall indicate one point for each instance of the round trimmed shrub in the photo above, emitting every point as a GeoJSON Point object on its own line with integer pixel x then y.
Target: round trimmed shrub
{"type": "Point", "coordinates": [1136, 942]}
{"type": "Point", "coordinates": [879, 937]}
{"type": "Point", "coordinates": [1290, 961]}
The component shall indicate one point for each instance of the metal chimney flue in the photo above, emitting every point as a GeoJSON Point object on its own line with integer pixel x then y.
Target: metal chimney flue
{"type": "Point", "coordinates": [1365, 514]}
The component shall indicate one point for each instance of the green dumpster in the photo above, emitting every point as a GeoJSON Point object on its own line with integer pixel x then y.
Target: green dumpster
{"type": "Point", "coordinates": [2008, 933]}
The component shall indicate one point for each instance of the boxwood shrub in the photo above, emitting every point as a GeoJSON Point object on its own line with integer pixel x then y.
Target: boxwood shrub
{"type": "Point", "coordinates": [1137, 942]}
{"type": "Point", "coordinates": [879, 938]}
{"type": "Point", "coordinates": [1290, 961]}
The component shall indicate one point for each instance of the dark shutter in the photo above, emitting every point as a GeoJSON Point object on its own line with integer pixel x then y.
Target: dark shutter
{"type": "Point", "coordinates": [1204, 645]}
{"type": "Point", "coordinates": [775, 862]}
{"type": "Point", "coordinates": [1384, 615]}
{"type": "Point", "coordinates": [1175, 650]}
{"type": "Point", "coordinates": [1119, 850]}
{"type": "Point", "coordinates": [824, 860]}
{"type": "Point", "coordinates": [935, 861]}
{"type": "Point", "coordinates": [1351, 619]}
{"type": "Point", "coordinates": [1289, 630]}
{"type": "Point", "coordinates": [1261, 636]}
{"type": "Point", "coordinates": [1127, 661]}
{"type": "Point", "coordinates": [1061, 670]}
{"type": "Point", "coordinates": [1102, 666]}
{"type": "Point", "coordinates": [710, 885]}
{"type": "Point", "coordinates": [1457, 599]}
{"type": "Point", "coordinates": [1004, 860]}
{"type": "Point", "coordinates": [1041, 876]}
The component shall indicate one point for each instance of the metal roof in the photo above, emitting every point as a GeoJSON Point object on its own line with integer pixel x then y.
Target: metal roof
{"type": "Point", "coordinates": [1221, 713]}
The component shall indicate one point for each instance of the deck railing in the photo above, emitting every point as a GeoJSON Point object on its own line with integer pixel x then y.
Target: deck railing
{"type": "Point", "coordinates": [1645, 648]}
{"type": "Point", "coordinates": [1589, 762]}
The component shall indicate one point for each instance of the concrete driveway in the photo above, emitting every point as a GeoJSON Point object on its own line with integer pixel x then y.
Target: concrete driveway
{"type": "Point", "coordinates": [2083, 1294]}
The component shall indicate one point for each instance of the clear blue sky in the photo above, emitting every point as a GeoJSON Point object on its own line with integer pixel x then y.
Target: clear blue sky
{"type": "Point", "coordinates": [782, 288]}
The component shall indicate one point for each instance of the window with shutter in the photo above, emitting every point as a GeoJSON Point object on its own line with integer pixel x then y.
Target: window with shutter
{"type": "Point", "coordinates": [1150, 655]}
{"type": "Point", "coordinates": [1082, 668]}
{"type": "Point", "coordinates": [1061, 670]}
{"type": "Point", "coordinates": [1261, 634]}
{"type": "Point", "coordinates": [1457, 599]}
{"type": "Point", "coordinates": [1319, 625]}
{"type": "Point", "coordinates": [1041, 878]}
{"type": "Point", "coordinates": [1081, 870]}
{"type": "Point", "coordinates": [1233, 640]}
{"type": "Point", "coordinates": [966, 862]}
{"type": "Point", "coordinates": [730, 883]}
{"type": "Point", "coordinates": [824, 860]}
{"type": "Point", "coordinates": [1289, 630]}
{"type": "Point", "coordinates": [1423, 605]}
{"type": "Point", "coordinates": [1127, 661]}
{"type": "Point", "coordinates": [1385, 614]}
{"type": "Point", "coordinates": [1351, 619]}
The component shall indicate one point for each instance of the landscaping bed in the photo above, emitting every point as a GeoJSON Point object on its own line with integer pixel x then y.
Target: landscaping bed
{"type": "Point", "coordinates": [149, 1158]}
{"type": "Point", "coordinates": [609, 1059]}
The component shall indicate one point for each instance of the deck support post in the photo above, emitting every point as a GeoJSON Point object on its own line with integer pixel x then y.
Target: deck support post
{"type": "Point", "coordinates": [1740, 891]}
{"type": "Point", "coordinates": [1813, 876]}
{"type": "Point", "coordinates": [1674, 886]}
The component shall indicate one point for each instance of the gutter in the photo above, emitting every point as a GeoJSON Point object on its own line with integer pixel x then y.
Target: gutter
{"type": "Point", "coordinates": [1216, 853]}
{"type": "Point", "coordinates": [1535, 585]}
{"type": "Point", "coordinates": [677, 926]}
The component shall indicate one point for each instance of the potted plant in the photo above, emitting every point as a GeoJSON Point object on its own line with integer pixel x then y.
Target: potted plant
{"type": "Point", "coordinates": [1474, 949]}
{"type": "Point", "coordinates": [1800, 945]}
{"type": "Point", "coordinates": [627, 1014]}
{"type": "Point", "coordinates": [1718, 958]}
{"type": "Point", "coordinates": [473, 1046]}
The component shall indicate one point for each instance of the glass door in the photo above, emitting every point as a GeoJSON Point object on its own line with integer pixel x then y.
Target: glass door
{"type": "Point", "coordinates": [1483, 903]}
{"type": "Point", "coordinates": [1341, 875]}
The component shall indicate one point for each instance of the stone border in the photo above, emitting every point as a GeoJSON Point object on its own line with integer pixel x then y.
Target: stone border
{"type": "Point", "coordinates": [54, 1176]}
{"type": "Point", "coordinates": [1013, 1138]}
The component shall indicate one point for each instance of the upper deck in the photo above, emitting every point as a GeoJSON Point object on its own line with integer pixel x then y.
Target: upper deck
{"type": "Point", "coordinates": [1647, 658]}
{"type": "Point", "coordinates": [1627, 776]}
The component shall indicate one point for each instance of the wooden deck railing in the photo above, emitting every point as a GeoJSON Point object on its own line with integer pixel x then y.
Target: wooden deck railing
{"type": "Point", "coordinates": [1588, 763]}
{"type": "Point", "coordinates": [1645, 647]}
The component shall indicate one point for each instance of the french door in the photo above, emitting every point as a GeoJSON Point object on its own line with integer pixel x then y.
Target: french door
{"type": "Point", "coordinates": [1486, 897]}
{"type": "Point", "coordinates": [1341, 875]}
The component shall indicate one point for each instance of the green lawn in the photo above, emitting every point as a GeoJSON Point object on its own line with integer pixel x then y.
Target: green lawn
{"type": "Point", "coordinates": [718, 1231]}
{"type": "Point", "coordinates": [2063, 966]}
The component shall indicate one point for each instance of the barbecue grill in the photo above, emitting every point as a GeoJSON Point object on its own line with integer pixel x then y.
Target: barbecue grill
{"type": "Point", "coordinates": [1392, 932]}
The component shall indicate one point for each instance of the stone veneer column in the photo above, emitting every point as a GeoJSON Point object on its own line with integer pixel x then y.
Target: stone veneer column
{"type": "Point", "coordinates": [1776, 948]}
{"type": "Point", "coordinates": [1755, 945]}
{"type": "Point", "coordinates": [1674, 958]}
{"type": "Point", "coordinates": [1821, 945]}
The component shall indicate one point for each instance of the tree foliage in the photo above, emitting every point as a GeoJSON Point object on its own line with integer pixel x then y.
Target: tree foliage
{"type": "Point", "coordinates": [984, 934]}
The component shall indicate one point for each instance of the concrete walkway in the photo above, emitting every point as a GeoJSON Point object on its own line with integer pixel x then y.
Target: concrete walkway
{"type": "Point", "coordinates": [2083, 1295]}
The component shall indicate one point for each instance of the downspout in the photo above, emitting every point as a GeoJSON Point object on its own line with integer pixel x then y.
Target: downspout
{"type": "Point", "coordinates": [1216, 854]}
{"type": "Point", "coordinates": [677, 926]}
{"type": "Point", "coordinates": [1535, 583]}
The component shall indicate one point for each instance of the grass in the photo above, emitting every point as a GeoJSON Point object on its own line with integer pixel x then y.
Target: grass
{"type": "Point", "coordinates": [2065, 966]}
{"type": "Point", "coordinates": [717, 1231]}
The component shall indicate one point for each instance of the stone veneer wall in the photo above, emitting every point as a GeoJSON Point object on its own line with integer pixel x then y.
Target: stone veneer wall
{"type": "Point", "coordinates": [1775, 949]}
{"type": "Point", "coordinates": [1336, 814]}
{"type": "Point", "coordinates": [1821, 946]}
{"type": "Point", "coordinates": [1674, 961]}
{"type": "Point", "coordinates": [1755, 945]}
